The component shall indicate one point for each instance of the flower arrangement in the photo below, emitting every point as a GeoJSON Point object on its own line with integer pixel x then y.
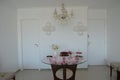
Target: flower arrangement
{"type": "Point", "coordinates": [55, 47]}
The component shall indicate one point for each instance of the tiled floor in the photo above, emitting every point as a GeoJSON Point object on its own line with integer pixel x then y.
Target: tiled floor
{"type": "Point", "coordinates": [92, 73]}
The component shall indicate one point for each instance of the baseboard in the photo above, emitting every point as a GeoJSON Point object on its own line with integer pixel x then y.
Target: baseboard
{"type": "Point", "coordinates": [96, 65]}
{"type": "Point", "coordinates": [17, 71]}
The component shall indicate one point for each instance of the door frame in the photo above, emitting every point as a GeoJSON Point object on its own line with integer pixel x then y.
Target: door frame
{"type": "Point", "coordinates": [20, 19]}
{"type": "Point", "coordinates": [105, 36]}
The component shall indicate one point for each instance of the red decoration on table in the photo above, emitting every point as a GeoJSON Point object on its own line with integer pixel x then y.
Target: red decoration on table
{"type": "Point", "coordinates": [70, 53]}
{"type": "Point", "coordinates": [78, 52]}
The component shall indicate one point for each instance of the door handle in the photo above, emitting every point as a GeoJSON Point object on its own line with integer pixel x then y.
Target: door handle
{"type": "Point", "coordinates": [37, 45]}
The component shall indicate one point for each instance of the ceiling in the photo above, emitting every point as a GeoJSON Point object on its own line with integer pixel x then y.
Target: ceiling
{"type": "Point", "coordinates": [53, 3]}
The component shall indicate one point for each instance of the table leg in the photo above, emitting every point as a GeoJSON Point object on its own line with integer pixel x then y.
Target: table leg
{"type": "Point", "coordinates": [64, 73]}
{"type": "Point", "coordinates": [110, 71]}
{"type": "Point", "coordinates": [118, 75]}
{"type": "Point", "coordinates": [55, 68]}
{"type": "Point", "coordinates": [73, 69]}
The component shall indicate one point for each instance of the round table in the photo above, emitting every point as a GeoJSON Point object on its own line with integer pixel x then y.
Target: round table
{"type": "Point", "coordinates": [63, 62]}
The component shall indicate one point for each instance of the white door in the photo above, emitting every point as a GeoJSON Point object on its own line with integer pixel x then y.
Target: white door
{"type": "Point", "coordinates": [30, 43]}
{"type": "Point", "coordinates": [96, 48]}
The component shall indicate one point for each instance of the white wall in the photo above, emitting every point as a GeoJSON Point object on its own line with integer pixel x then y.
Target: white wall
{"type": "Point", "coordinates": [64, 36]}
{"type": "Point", "coordinates": [64, 32]}
{"type": "Point", "coordinates": [113, 17]}
{"type": "Point", "coordinates": [8, 36]}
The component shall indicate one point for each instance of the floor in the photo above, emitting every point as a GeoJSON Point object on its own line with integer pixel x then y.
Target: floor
{"type": "Point", "coordinates": [92, 73]}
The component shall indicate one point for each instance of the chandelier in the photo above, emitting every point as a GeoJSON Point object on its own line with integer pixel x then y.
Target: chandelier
{"type": "Point", "coordinates": [63, 15]}
{"type": "Point", "coordinates": [48, 28]}
{"type": "Point", "coordinates": [80, 28]}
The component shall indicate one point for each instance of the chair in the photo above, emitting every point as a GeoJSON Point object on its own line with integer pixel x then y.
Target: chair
{"type": "Point", "coordinates": [7, 76]}
{"type": "Point", "coordinates": [115, 66]}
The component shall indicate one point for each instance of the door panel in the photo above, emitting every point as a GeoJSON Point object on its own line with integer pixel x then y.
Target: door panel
{"type": "Point", "coordinates": [96, 48]}
{"type": "Point", "coordinates": [30, 44]}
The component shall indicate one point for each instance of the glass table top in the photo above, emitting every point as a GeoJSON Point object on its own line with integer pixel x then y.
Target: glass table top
{"type": "Point", "coordinates": [63, 60]}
